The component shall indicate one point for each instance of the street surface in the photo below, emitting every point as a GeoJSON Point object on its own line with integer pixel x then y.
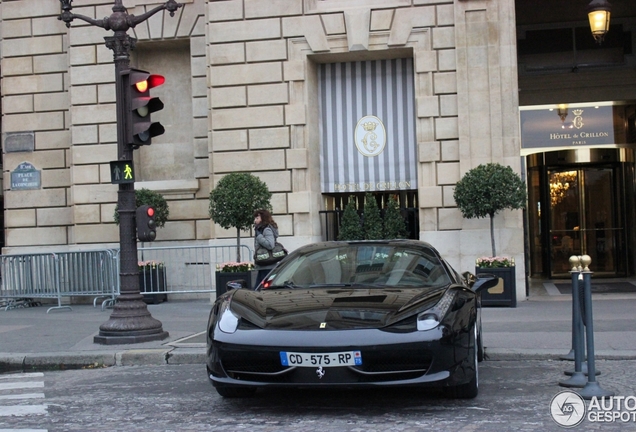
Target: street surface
{"type": "Point", "coordinates": [514, 396]}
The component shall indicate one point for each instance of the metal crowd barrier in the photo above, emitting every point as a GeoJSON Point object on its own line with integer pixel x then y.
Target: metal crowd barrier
{"type": "Point", "coordinates": [163, 270]}
{"type": "Point", "coordinates": [185, 269]}
{"type": "Point", "coordinates": [56, 275]}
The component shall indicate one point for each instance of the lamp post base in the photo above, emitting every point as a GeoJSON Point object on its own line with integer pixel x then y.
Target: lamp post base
{"type": "Point", "coordinates": [125, 339]}
{"type": "Point", "coordinates": [130, 323]}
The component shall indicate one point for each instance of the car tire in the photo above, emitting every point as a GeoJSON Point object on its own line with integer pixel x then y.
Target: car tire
{"type": "Point", "coordinates": [481, 352]}
{"type": "Point", "coordinates": [235, 392]}
{"type": "Point", "coordinates": [471, 388]}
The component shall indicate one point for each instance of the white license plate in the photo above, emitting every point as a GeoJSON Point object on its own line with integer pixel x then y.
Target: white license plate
{"type": "Point", "coordinates": [345, 358]}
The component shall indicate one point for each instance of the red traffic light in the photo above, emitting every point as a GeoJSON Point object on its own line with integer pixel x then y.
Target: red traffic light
{"type": "Point", "coordinates": [139, 105]}
{"type": "Point", "coordinates": [146, 226]}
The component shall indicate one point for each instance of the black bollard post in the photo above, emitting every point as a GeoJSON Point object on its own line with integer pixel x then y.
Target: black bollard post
{"type": "Point", "coordinates": [592, 388]}
{"type": "Point", "coordinates": [581, 329]}
{"type": "Point", "coordinates": [577, 378]}
{"type": "Point", "coordinates": [573, 265]}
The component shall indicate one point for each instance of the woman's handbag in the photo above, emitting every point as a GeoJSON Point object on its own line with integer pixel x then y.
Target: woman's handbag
{"type": "Point", "coordinates": [265, 257]}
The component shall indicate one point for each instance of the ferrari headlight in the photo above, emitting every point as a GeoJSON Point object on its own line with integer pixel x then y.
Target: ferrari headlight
{"type": "Point", "coordinates": [228, 322]}
{"type": "Point", "coordinates": [433, 317]}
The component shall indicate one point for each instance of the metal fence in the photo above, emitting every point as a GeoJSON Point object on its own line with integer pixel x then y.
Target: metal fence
{"type": "Point", "coordinates": [56, 275]}
{"type": "Point", "coordinates": [187, 269]}
{"type": "Point", "coordinates": [184, 269]}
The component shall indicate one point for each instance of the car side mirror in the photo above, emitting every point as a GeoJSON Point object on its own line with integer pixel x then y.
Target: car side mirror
{"type": "Point", "coordinates": [484, 282]}
{"type": "Point", "coordinates": [469, 278]}
{"type": "Point", "coordinates": [236, 284]}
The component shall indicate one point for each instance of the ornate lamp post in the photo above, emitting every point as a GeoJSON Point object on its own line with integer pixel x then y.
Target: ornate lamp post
{"type": "Point", "coordinates": [130, 321]}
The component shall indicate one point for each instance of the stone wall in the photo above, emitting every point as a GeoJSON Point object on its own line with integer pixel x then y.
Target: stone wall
{"type": "Point", "coordinates": [254, 108]}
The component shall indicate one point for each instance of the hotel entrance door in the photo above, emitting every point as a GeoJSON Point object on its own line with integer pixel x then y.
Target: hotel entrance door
{"type": "Point", "coordinates": [578, 204]}
{"type": "Point", "coordinates": [583, 220]}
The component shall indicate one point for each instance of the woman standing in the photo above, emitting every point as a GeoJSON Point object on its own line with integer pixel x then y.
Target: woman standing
{"type": "Point", "coordinates": [265, 235]}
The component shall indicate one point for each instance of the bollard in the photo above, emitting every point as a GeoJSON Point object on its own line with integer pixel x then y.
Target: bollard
{"type": "Point", "coordinates": [574, 263]}
{"type": "Point", "coordinates": [592, 388]}
{"type": "Point", "coordinates": [580, 328]}
{"type": "Point", "coordinates": [577, 378]}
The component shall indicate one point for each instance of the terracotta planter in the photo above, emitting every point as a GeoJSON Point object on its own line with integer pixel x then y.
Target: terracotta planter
{"type": "Point", "coordinates": [505, 293]}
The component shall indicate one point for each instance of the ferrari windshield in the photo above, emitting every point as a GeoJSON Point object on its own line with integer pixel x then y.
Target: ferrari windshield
{"type": "Point", "coordinates": [364, 265]}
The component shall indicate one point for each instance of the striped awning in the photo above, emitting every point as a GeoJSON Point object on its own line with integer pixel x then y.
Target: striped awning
{"type": "Point", "coordinates": [367, 126]}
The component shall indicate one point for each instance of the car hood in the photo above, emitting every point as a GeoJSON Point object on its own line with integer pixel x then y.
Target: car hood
{"type": "Point", "coordinates": [331, 308]}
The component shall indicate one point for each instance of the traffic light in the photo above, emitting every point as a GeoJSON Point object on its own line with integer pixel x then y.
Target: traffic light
{"type": "Point", "coordinates": [146, 226]}
{"type": "Point", "coordinates": [139, 105]}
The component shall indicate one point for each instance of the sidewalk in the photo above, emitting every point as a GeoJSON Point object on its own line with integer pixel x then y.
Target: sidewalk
{"type": "Point", "coordinates": [32, 339]}
{"type": "Point", "coordinates": [539, 328]}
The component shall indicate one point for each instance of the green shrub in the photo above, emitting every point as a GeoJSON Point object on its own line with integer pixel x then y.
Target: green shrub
{"type": "Point", "coordinates": [394, 225]}
{"type": "Point", "coordinates": [155, 200]}
{"type": "Point", "coordinates": [372, 222]}
{"type": "Point", "coordinates": [350, 226]}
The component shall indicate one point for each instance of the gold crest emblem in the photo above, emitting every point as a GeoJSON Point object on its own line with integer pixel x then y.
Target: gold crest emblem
{"type": "Point", "coordinates": [370, 136]}
{"type": "Point", "coordinates": [578, 119]}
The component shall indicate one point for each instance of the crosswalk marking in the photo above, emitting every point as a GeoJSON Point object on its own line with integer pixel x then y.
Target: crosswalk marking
{"type": "Point", "coordinates": [22, 375]}
{"type": "Point", "coordinates": [23, 430]}
{"type": "Point", "coordinates": [22, 410]}
{"type": "Point", "coordinates": [23, 396]}
{"type": "Point", "coordinates": [17, 398]}
{"type": "Point", "coordinates": [21, 385]}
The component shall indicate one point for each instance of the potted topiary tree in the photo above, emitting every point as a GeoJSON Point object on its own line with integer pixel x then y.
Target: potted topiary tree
{"type": "Point", "coordinates": [484, 191]}
{"type": "Point", "coordinates": [232, 205]}
{"type": "Point", "coordinates": [350, 227]}
{"type": "Point", "coordinates": [152, 274]}
{"type": "Point", "coordinates": [372, 221]}
{"type": "Point", "coordinates": [394, 226]}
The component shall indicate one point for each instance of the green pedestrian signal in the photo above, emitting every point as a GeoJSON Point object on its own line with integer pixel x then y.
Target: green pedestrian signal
{"type": "Point", "coordinates": [122, 172]}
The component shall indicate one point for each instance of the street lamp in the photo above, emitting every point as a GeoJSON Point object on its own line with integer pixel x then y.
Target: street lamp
{"type": "Point", "coordinates": [598, 12]}
{"type": "Point", "coordinates": [130, 321]}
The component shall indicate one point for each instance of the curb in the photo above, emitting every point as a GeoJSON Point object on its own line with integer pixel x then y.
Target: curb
{"type": "Point", "coordinates": [507, 354]}
{"type": "Point", "coordinates": [39, 362]}
{"type": "Point", "coordinates": [34, 362]}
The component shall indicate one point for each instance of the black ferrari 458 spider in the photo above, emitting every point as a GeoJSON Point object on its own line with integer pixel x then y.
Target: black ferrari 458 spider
{"type": "Point", "coordinates": [350, 314]}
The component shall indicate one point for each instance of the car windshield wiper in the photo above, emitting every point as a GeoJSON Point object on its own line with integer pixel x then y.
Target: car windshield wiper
{"type": "Point", "coordinates": [331, 285]}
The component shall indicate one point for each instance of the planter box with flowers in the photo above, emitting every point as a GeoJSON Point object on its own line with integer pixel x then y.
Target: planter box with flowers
{"type": "Point", "coordinates": [505, 292]}
{"type": "Point", "coordinates": [231, 271]}
{"type": "Point", "coordinates": [484, 191]}
{"type": "Point", "coordinates": [152, 281]}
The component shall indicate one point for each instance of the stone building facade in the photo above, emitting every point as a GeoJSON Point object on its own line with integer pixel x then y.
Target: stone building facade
{"type": "Point", "coordinates": [242, 94]}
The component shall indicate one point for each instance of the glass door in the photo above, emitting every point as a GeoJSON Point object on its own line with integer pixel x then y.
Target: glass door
{"type": "Point", "coordinates": [582, 219]}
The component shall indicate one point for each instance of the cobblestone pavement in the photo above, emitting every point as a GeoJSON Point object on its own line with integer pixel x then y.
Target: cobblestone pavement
{"type": "Point", "coordinates": [514, 396]}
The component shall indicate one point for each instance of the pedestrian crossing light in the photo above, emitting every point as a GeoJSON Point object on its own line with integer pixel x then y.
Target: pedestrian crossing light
{"type": "Point", "coordinates": [146, 226]}
{"type": "Point", "coordinates": [139, 105]}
